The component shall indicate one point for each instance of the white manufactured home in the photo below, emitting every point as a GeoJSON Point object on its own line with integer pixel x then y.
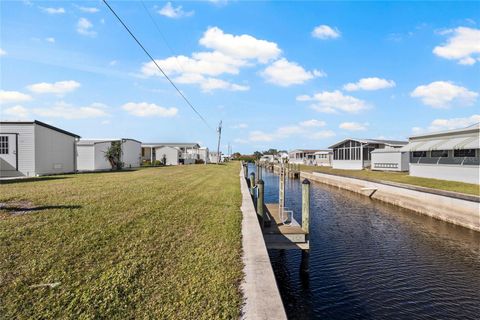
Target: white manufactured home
{"type": "Point", "coordinates": [355, 154]}
{"type": "Point", "coordinates": [447, 155]}
{"type": "Point", "coordinates": [34, 148]}
{"type": "Point", "coordinates": [188, 153]}
{"type": "Point", "coordinates": [302, 156]}
{"type": "Point", "coordinates": [91, 154]}
{"type": "Point", "coordinates": [323, 158]}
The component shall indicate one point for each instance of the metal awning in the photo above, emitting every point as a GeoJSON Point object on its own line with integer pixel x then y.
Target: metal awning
{"type": "Point", "coordinates": [412, 146]}
{"type": "Point", "coordinates": [459, 143]}
{"type": "Point", "coordinates": [431, 145]}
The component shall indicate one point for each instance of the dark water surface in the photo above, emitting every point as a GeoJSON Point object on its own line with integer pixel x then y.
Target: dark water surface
{"type": "Point", "coordinates": [370, 260]}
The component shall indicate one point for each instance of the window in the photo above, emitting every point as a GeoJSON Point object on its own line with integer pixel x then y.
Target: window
{"type": "Point", "coordinates": [464, 153]}
{"type": "Point", "coordinates": [439, 153]}
{"type": "Point", "coordinates": [3, 144]}
{"type": "Point", "coordinates": [419, 154]}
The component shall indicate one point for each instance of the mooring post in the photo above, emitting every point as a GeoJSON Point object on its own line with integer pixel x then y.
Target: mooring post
{"type": "Point", "coordinates": [306, 205]}
{"type": "Point", "coordinates": [245, 169]}
{"type": "Point", "coordinates": [260, 200]}
{"type": "Point", "coordinates": [252, 183]}
{"type": "Point", "coordinates": [257, 170]}
{"type": "Point", "coordinates": [281, 190]}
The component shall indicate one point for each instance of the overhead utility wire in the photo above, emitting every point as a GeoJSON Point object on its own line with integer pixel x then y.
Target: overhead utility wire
{"type": "Point", "coordinates": [162, 35]}
{"type": "Point", "coordinates": [156, 64]}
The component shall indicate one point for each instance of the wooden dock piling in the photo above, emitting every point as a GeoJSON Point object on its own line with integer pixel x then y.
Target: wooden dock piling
{"type": "Point", "coordinates": [306, 205]}
{"type": "Point", "coordinates": [252, 183]}
{"type": "Point", "coordinates": [261, 201]}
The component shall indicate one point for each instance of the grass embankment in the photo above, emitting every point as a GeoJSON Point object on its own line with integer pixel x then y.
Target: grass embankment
{"type": "Point", "coordinates": [400, 177]}
{"type": "Point", "coordinates": [159, 243]}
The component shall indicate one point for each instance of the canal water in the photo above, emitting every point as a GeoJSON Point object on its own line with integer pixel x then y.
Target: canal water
{"type": "Point", "coordinates": [370, 260]}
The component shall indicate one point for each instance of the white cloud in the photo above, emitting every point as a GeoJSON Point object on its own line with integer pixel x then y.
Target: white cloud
{"type": "Point", "coordinates": [50, 39]}
{"type": "Point", "coordinates": [239, 126]}
{"type": "Point", "coordinates": [88, 9]}
{"type": "Point", "coordinates": [285, 73]}
{"type": "Point", "coordinates": [313, 123]}
{"type": "Point", "coordinates": [448, 124]}
{"type": "Point", "coordinates": [84, 27]}
{"type": "Point", "coordinates": [369, 84]}
{"type": "Point", "coordinates": [257, 136]}
{"type": "Point", "coordinates": [171, 12]}
{"type": "Point", "coordinates": [443, 94]}
{"type": "Point", "coordinates": [53, 10]}
{"type": "Point", "coordinates": [112, 63]}
{"type": "Point", "coordinates": [240, 141]}
{"type": "Point", "coordinates": [325, 32]}
{"type": "Point", "coordinates": [13, 96]}
{"type": "Point", "coordinates": [463, 46]}
{"type": "Point", "coordinates": [67, 111]}
{"type": "Point", "coordinates": [3, 52]}
{"type": "Point", "coordinates": [144, 109]}
{"type": "Point", "coordinates": [241, 47]}
{"type": "Point", "coordinates": [353, 126]}
{"type": "Point", "coordinates": [334, 101]}
{"type": "Point", "coordinates": [60, 87]}
{"type": "Point", "coordinates": [322, 134]}
{"type": "Point", "coordinates": [15, 113]}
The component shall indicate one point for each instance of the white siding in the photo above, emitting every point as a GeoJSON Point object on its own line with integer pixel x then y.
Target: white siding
{"type": "Point", "coordinates": [390, 161]}
{"type": "Point", "coordinates": [101, 163]}
{"type": "Point", "coordinates": [26, 148]}
{"type": "Point", "coordinates": [172, 155]}
{"type": "Point", "coordinates": [85, 158]}
{"type": "Point", "coordinates": [54, 151]}
{"type": "Point", "coordinates": [347, 164]}
{"type": "Point", "coordinates": [468, 174]}
{"type": "Point", "coordinates": [132, 153]}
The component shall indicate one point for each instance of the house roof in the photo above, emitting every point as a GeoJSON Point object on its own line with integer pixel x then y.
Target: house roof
{"type": "Point", "coordinates": [43, 124]}
{"type": "Point", "coordinates": [90, 142]}
{"type": "Point", "coordinates": [470, 129]}
{"type": "Point", "coordinates": [171, 144]}
{"type": "Point", "coordinates": [305, 150]}
{"type": "Point", "coordinates": [391, 143]}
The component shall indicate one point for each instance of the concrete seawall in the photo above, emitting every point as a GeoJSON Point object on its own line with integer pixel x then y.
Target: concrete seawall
{"type": "Point", "coordinates": [259, 287]}
{"type": "Point", "coordinates": [462, 212]}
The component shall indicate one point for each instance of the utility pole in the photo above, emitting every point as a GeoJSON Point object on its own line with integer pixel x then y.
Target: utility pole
{"type": "Point", "coordinates": [219, 130]}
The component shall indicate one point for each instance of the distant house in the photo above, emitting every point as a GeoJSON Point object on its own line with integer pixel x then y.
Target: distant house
{"type": "Point", "coordinates": [91, 153]}
{"type": "Point", "coordinates": [267, 158]}
{"type": "Point", "coordinates": [213, 157]}
{"type": "Point", "coordinates": [188, 152]}
{"type": "Point", "coordinates": [34, 148]}
{"type": "Point", "coordinates": [203, 154]}
{"type": "Point", "coordinates": [355, 154]}
{"type": "Point", "coordinates": [323, 158]}
{"type": "Point", "coordinates": [389, 159]}
{"type": "Point", "coordinates": [447, 155]}
{"type": "Point", "coordinates": [302, 156]}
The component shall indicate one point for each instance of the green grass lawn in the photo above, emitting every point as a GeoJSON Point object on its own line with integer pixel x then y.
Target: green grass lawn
{"type": "Point", "coordinates": [400, 177]}
{"type": "Point", "coordinates": [158, 243]}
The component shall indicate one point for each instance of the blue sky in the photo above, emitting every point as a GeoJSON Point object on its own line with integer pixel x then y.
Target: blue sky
{"type": "Point", "coordinates": [279, 74]}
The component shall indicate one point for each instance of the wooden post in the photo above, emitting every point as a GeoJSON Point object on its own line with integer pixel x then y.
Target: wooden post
{"type": "Point", "coordinates": [281, 190]}
{"type": "Point", "coordinates": [306, 205]}
{"type": "Point", "coordinates": [252, 182]}
{"type": "Point", "coordinates": [245, 169]}
{"type": "Point", "coordinates": [257, 170]}
{"type": "Point", "coordinates": [260, 200]}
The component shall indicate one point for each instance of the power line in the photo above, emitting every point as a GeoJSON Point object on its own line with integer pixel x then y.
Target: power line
{"type": "Point", "coordinates": [156, 64]}
{"type": "Point", "coordinates": [162, 35]}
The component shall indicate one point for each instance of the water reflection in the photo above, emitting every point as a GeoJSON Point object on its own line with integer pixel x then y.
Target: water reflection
{"type": "Point", "coordinates": [370, 260]}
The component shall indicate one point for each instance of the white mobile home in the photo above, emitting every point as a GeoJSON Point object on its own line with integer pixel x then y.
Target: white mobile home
{"type": "Point", "coordinates": [34, 148]}
{"type": "Point", "coordinates": [323, 158]}
{"type": "Point", "coordinates": [203, 154]}
{"type": "Point", "coordinates": [189, 152]}
{"type": "Point", "coordinates": [91, 154]}
{"type": "Point", "coordinates": [355, 154]}
{"type": "Point", "coordinates": [389, 159]}
{"type": "Point", "coordinates": [302, 156]}
{"type": "Point", "coordinates": [447, 155]}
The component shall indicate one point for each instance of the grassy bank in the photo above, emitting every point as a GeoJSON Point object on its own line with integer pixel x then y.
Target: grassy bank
{"type": "Point", "coordinates": [400, 177]}
{"type": "Point", "coordinates": [161, 243]}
